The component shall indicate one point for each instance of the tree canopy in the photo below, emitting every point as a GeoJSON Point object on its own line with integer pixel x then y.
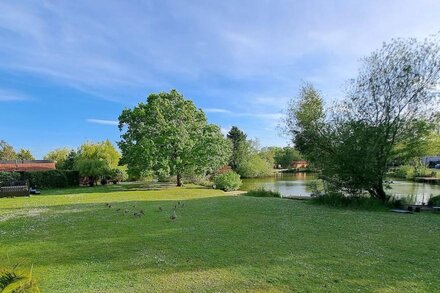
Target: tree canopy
{"type": "Point", "coordinates": [354, 144]}
{"type": "Point", "coordinates": [95, 160]}
{"type": "Point", "coordinates": [7, 152]}
{"type": "Point", "coordinates": [168, 135]}
{"type": "Point", "coordinates": [240, 147]}
{"type": "Point", "coordinates": [59, 156]}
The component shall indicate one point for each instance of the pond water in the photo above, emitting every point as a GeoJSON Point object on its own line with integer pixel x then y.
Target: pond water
{"type": "Point", "coordinates": [295, 184]}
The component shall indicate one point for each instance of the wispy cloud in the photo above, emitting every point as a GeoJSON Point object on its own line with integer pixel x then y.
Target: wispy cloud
{"type": "Point", "coordinates": [12, 96]}
{"type": "Point", "coordinates": [103, 122]}
{"type": "Point", "coordinates": [216, 110]}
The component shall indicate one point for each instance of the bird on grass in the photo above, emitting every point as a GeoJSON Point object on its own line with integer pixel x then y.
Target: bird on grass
{"type": "Point", "coordinates": [109, 206]}
{"type": "Point", "coordinates": [125, 211]}
{"type": "Point", "coordinates": [137, 215]}
{"type": "Point", "coordinates": [160, 209]}
{"type": "Point", "coordinates": [141, 212]}
{"type": "Point", "coordinates": [118, 209]}
{"type": "Point", "coordinates": [173, 215]}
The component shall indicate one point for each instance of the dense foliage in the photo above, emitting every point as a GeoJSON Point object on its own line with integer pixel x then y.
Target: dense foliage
{"type": "Point", "coordinates": [263, 193]}
{"type": "Point", "coordinates": [168, 135]}
{"type": "Point", "coordinates": [52, 178]}
{"type": "Point", "coordinates": [285, 156]}
{"type": "Point", "coordinates": [7, 177]}
{"type": "Point", "coordinates": [255, 166]}
{"type": "Point", "coordinates": [95, 160]}
{"type": "Point", "coordinates": [59, 156]}
{"type": "Point", "coordinates": [240, 147]}
{"type": "Point", "coordinates": [227, 181]}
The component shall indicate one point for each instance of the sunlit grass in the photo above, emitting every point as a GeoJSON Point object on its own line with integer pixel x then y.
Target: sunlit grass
{"type": "Point", "coordinates": [218, 243]}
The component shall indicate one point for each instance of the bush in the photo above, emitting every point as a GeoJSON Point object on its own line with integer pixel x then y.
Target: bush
{"type": "Point", "coordinates": [7, 177]}
{"type": "Point", "coordinates": [434, 201]}
{"type": "Point", "coordinates": [227, 181]}
{"type": "Point", "coordinates": [404, 172]}
{"type": "Point", "coordinates": [409, 172]}
{"type": "Point", "coordinates": [255, 167]}
{"type": "Point", "coordinates": [116, 175]}
{"type": "Point", "coordinates": [52, 178]}
{"type": "Point", "coordinates": [263, 193]}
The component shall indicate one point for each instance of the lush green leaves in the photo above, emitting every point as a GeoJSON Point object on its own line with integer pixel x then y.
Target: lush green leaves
{"type": "Point", "coordinates": [59, 156]}
{"type": "Point", "coordinates": [168, 135]}
{"type": "Point", "coordinates": [227, 181]}
{"type": "Point", "coordinates": [386, 109]}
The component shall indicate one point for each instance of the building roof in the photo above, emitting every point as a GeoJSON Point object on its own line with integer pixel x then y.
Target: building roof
{"type": "Point", "coordinates": [26, 166]}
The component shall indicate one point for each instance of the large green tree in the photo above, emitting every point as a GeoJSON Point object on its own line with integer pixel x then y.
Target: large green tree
{"type": "Point", "coordinates": [168, 135]}
{"type": "Point", "coordinates": [241, 149]}
{"type": "Point", "coordinates": [96, 160]}
{"type": "Point", "coordinates": [354, 145]}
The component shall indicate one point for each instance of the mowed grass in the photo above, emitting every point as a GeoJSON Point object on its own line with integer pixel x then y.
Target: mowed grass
{"type": "Point", "coordinates": [218, 243]}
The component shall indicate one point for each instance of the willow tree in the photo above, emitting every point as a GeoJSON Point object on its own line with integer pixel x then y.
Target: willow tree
{"type": "Point", "coordinates": [168, 135]}
{"type": "Point", "coordinates": [397, 87]}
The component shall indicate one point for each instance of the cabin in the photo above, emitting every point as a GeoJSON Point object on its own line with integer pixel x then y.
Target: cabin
{"type": "Point", "coordinates": [26, 166]}
{"type": "Point", "coordinates": [299, 164]}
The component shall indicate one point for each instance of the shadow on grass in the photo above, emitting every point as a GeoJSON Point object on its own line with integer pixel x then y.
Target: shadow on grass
{"type": "Point", "coordinates": [116, 188]}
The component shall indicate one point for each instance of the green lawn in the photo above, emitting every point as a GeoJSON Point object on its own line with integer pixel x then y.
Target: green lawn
{"type": "Point", "coordinates": [218, 243]}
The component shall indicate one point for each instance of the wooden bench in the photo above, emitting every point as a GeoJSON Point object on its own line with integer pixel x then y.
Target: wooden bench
{"type": "Point", "coordinates": [11, 191]}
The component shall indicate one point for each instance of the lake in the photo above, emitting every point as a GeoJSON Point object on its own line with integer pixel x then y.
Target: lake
{"type": "Point", "coordinates": [295, 184]}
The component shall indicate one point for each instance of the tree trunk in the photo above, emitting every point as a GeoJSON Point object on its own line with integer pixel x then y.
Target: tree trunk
{"type": "Point", "coordinates": [179, 180]}
{"type": "Point", "coordinates": [378, 192]}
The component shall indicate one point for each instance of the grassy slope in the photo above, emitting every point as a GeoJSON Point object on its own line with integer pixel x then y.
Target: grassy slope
{"type": "Point", "coordinates": [218, 243]}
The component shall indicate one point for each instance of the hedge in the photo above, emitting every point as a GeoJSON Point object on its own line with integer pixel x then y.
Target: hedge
{"type": "Point", "coordinates": [7, 177]}
{"type": "Point", "coordinates": [52, 178]}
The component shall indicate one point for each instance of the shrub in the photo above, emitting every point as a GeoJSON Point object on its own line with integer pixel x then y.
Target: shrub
{"type": "Point", "coordinates": [52, 178]}
{"type": "Point", "coordinates": [12, 280]}
{"type": "Point", "coordinates": [263, 193]}
{"type": "Point", "coordinates": [116, 175]}
{"type": "Point", "coordinates": [7, 177]}
{"type": "Point", "coordinates": [404, 172]}
{"type": "Point", "coordinates": [227, 181]}
{"type": "Point", "coordinates": [409, 172]}
{"type": "Point", "coordinates": [255, 167]}
{"type": "Point", "coordinates": [434, 201]}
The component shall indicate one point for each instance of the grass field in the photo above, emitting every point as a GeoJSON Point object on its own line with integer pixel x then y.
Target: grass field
{"type": "Point", "coordinates": [218, 243]}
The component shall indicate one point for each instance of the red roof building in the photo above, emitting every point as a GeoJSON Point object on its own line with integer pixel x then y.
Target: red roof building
{"type": "Point", "coordinates": [26, 166]}
{"type": "Point", "coordinates": [299, 164]}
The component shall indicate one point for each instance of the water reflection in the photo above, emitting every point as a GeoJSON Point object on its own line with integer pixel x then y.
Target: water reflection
{"type": "Point", "coordinates": [295, 184]}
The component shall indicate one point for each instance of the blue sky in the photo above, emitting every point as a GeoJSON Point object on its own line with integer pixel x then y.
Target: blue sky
{"type": "Point", "coordinates": [68, 68]}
